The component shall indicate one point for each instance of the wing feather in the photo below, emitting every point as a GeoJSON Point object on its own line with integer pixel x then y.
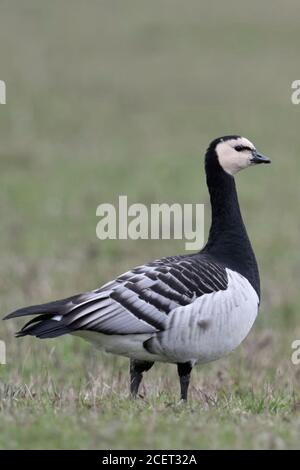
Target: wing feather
{"type": "Point", "coordinates": [138, 301]}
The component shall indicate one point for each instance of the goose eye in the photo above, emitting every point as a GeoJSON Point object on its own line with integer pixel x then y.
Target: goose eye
{"type": "Point", "coordinates": [241, 148]}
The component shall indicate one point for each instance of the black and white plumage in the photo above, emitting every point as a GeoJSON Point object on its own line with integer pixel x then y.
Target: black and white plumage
{"type": "Point", "coordinates": [185, 309]}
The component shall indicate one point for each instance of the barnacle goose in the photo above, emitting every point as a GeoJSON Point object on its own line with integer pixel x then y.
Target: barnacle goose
{"type": "Point", "coordinates": [186, 309]}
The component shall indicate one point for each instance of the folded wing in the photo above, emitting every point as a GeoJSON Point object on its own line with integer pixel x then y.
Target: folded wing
{"type": "Point", "coordinates": [136, 302]}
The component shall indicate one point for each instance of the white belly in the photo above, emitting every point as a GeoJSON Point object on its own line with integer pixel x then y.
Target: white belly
{"type": "Point", "coordinates": [123, 345]}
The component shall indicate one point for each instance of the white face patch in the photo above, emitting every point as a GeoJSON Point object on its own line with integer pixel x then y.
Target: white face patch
{"type": "Point", "coordinates": [232, 160]}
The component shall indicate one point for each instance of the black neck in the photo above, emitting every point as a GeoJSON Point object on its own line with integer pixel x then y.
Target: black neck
{"type": "Point", "coordinates": [228, 240]}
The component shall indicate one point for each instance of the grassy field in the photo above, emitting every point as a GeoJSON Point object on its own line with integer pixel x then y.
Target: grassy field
{"type": "Point", "coordinates": [112, 97]}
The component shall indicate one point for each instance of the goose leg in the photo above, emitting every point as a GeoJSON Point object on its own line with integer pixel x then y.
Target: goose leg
{"type": "Point", "coordinates": [136, 374]}
{"type": "Point", "coordinates": [184, 372]}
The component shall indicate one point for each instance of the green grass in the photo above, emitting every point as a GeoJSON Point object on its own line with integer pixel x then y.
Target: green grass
{"type": "Point", "coordinates": [110, 98]}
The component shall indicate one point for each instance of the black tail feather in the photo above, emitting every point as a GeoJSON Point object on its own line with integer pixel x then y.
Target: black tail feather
{"type": "Point", "coordinates": [44, 327]}
{"type": "Point", "coordinates": [50, 320]}
{"type": "Point", "coordinates": [56, 307]}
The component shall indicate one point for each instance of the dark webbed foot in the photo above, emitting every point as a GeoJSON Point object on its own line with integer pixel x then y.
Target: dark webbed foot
{"type": "Point", "coordinates": [184, 372]}
{"type": "Point", "coordinates": [136, 374]}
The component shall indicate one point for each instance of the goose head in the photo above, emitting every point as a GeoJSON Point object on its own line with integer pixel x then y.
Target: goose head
{"type": "Point", "coordinates": [234, 153]}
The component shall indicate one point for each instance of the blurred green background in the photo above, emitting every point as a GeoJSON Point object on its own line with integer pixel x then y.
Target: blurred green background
{"type": "Point", "coordinates": [122, 97]}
